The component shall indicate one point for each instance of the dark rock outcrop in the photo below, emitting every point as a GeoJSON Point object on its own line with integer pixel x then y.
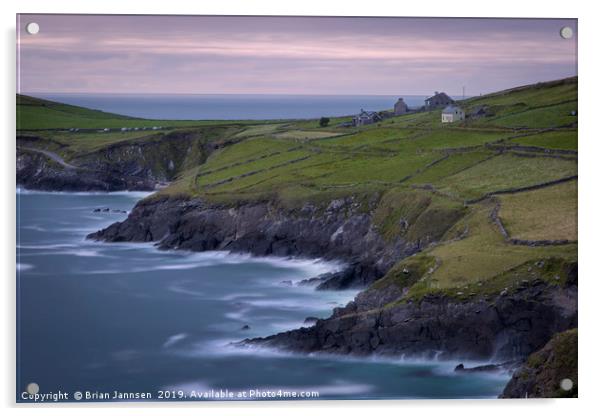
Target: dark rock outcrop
{"type": "Point", "coordinates": [138, 164]}
{"type": "Point", "coordinates": [341, 231]}
{"type": "Point", "coordinates": [487, 368]}
{"type": "Point", "coordinates": [549, 372]}
{"type": "Point", "coordinates": [37, 171]}
{"type": "Point", "coordinates": [501, 328]}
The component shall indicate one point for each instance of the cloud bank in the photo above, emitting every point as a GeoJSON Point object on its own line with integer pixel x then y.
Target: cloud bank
{"type": "Point", "coordinates": [289, 55]}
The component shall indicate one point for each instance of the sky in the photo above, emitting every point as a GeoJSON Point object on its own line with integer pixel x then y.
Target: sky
{"type": "Point", "coordinates": [288, 55]}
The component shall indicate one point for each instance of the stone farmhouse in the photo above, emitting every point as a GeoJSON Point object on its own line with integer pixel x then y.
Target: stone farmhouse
{"type": "Point", "coordinates": [400, 107]}
{"type": "Point", "coordinates": [439, 100]}
{"type": "Point", "coordinates": [366, 117]}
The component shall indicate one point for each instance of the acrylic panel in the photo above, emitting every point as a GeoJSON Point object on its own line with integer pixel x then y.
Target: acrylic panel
{"type": "Point", "coordinates": [295, 208]}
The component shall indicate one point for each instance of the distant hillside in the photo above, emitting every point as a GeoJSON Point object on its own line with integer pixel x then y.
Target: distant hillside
{"type": "Point", "coordinates": [38, 114]}
{"type": "Point", "coordinates": [34, 113]}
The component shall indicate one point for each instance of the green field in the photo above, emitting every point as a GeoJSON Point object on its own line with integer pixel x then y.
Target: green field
{"type": "Point", "coordinates": [416, 169]}
{"type": "Point", "coordinates": [556, 140]}
{"type": "Point", "coordinates": [505, 172]}
{"type": "Point", "coordinates": [544, 214]}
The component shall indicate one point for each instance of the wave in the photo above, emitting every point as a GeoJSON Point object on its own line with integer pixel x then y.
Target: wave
{"type": "Point", "coordinates": [177, 288]}
{"type": "Point", "coordinates": [241, 315]}
{"type": "Point", "coordinates": [34, 228]}
{"type": "Point", "coordinates": [174, 339]}
{"type": "Point", "coordinates": [230, 347]}
{"type": "Point", "coordinates": [189, 386]}
{"type": "Point", "coordinates": [61, 249]}
{"type": "Point", "coordinates": [337, 387]}
{"type": "Point", "coordinates": [21, 267]}
{"type": "Point", "coordinates": [236, 296]}
{"type": "Point", "coordinates": [83, 253]}
{"type": "Point", "coordinates": [45, 246]}
{"type": "Point", "coordinates": [133, 194]}
{"type": "Point", "coordinates": [187, 260]}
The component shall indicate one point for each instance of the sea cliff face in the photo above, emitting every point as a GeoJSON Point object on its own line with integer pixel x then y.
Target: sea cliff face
{"type": "Point", "coordinates": [499, 328]}
{"type": "Point", "coordinates": [141, 164]}
{"type": "Point", "coordinates": [37, 171]}
{"type": "Point", "coordinates": [339, 230]}
{"type": "Point", "coordinates": [549, 372]}
{"type": "Point", "coordinates": [382, 319]}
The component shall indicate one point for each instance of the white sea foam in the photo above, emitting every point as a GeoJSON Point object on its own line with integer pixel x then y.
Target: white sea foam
{"type": "Point", "coordinates": [236, 296]}
{"type": "Point", "coordinates": [229, 347]}
{"type": "Point", "coordinates": [240, 315]}
{"type": "Point", "coordinates": [311, 267]}
{"type": "Point", "coordinates": [45, 246]}
{"type": "Point", "coordinates": [184, 266]}
{"type": "Point", "coordinates": [191, 260]}
{"type": "Point", "coordinates": [337, 387]}
{"type": "Point", "coordinates": [33, 227]}
{"type": "Point", "coordinates": [133, 194]}
{"type": "Point", "coordinates": [178, 288]}
{"type": "Point", "coordinates": [225, 347]}
{"type": "Point", "coordinates": [174, 339]}
{"type": "Point", "coordinates": [198, 386]}
{"type": "Point", "coordinates": [21, 267]}
{"type": "Point", "coordinates": [83, 253]}
{"type": "Point", "coordinates": [287, 326]}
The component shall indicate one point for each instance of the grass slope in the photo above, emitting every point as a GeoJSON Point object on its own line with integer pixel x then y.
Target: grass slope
{"type": "Point", "coordinates": [419, 171]}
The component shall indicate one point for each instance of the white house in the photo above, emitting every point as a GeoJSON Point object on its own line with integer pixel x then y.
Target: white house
{"type": "Point", "coordinates": [452, 113]}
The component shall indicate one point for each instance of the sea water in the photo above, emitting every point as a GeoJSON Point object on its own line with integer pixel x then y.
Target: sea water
{"type": "Point", "coordinates": [103, 317]}
{"type": "Point", "coordinates": [233, 106]}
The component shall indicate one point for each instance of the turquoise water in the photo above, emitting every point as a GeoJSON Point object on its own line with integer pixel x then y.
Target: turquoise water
{"type": "Point", "coordinates": [103, 317]}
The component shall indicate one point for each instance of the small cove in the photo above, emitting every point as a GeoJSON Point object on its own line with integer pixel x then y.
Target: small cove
{"type": "Point", "coordinates": [104, 317]}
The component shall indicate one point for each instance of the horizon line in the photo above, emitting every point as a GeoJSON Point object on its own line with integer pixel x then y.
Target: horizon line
{"type": "Point", "coordinates": [234, 93]}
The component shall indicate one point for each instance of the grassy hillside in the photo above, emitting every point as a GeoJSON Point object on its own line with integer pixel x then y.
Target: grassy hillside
{"type": "Point", "coordinates": [528, 139]}
{"type": "Point", "coordinates": [38, 114]}
{"type": "Point", "coordinates": [506, 160]}
{"type": "Point", "coordinates": [464, 161]}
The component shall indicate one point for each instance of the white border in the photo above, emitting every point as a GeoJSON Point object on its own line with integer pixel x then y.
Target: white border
{"type": "Point", "coordinates": [590, 151]}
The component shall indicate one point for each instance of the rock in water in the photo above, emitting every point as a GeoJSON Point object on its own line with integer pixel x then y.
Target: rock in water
{"type": "Point", "coordinates": [480, 368]}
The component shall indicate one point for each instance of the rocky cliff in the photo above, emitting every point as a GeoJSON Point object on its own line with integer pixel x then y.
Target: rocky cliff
{"type": "Point", "coordinates": [500, 328]}
{"type": "Point", "coordinates": [382, 319]}
{"type": "Point", "coordinates": [549, 372]}
{"type": "Point", "coordinates": [386, 318]}
{"type": "Point", "coordinates": [36, 170]}
{"type": "Point", "coordinates": [139, 164]}
{"type": "Point", "coordinates": [342, 229]}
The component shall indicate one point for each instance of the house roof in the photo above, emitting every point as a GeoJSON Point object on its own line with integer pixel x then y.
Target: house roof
{"type": "Point", "coordinates": [479, 109]}
{"type": "Point", "coordinates": [440, 95]}
{"type": "Point", "coordinates": [450, 109]}
{"type": "Point", "coordinates": [367, 113]}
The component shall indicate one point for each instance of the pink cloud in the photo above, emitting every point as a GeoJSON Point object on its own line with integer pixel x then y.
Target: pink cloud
{"type": "Point", "coordinates": [137, 54]}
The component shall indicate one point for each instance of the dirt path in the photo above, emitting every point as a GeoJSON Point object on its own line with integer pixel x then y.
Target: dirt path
{"type": "Point", "coordinates": [52, 156]}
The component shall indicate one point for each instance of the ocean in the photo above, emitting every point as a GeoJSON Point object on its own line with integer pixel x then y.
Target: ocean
{"type": "Point", "coordinates": [233, 106]}
{"type": "Point", "coordinates": [104, 317]}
